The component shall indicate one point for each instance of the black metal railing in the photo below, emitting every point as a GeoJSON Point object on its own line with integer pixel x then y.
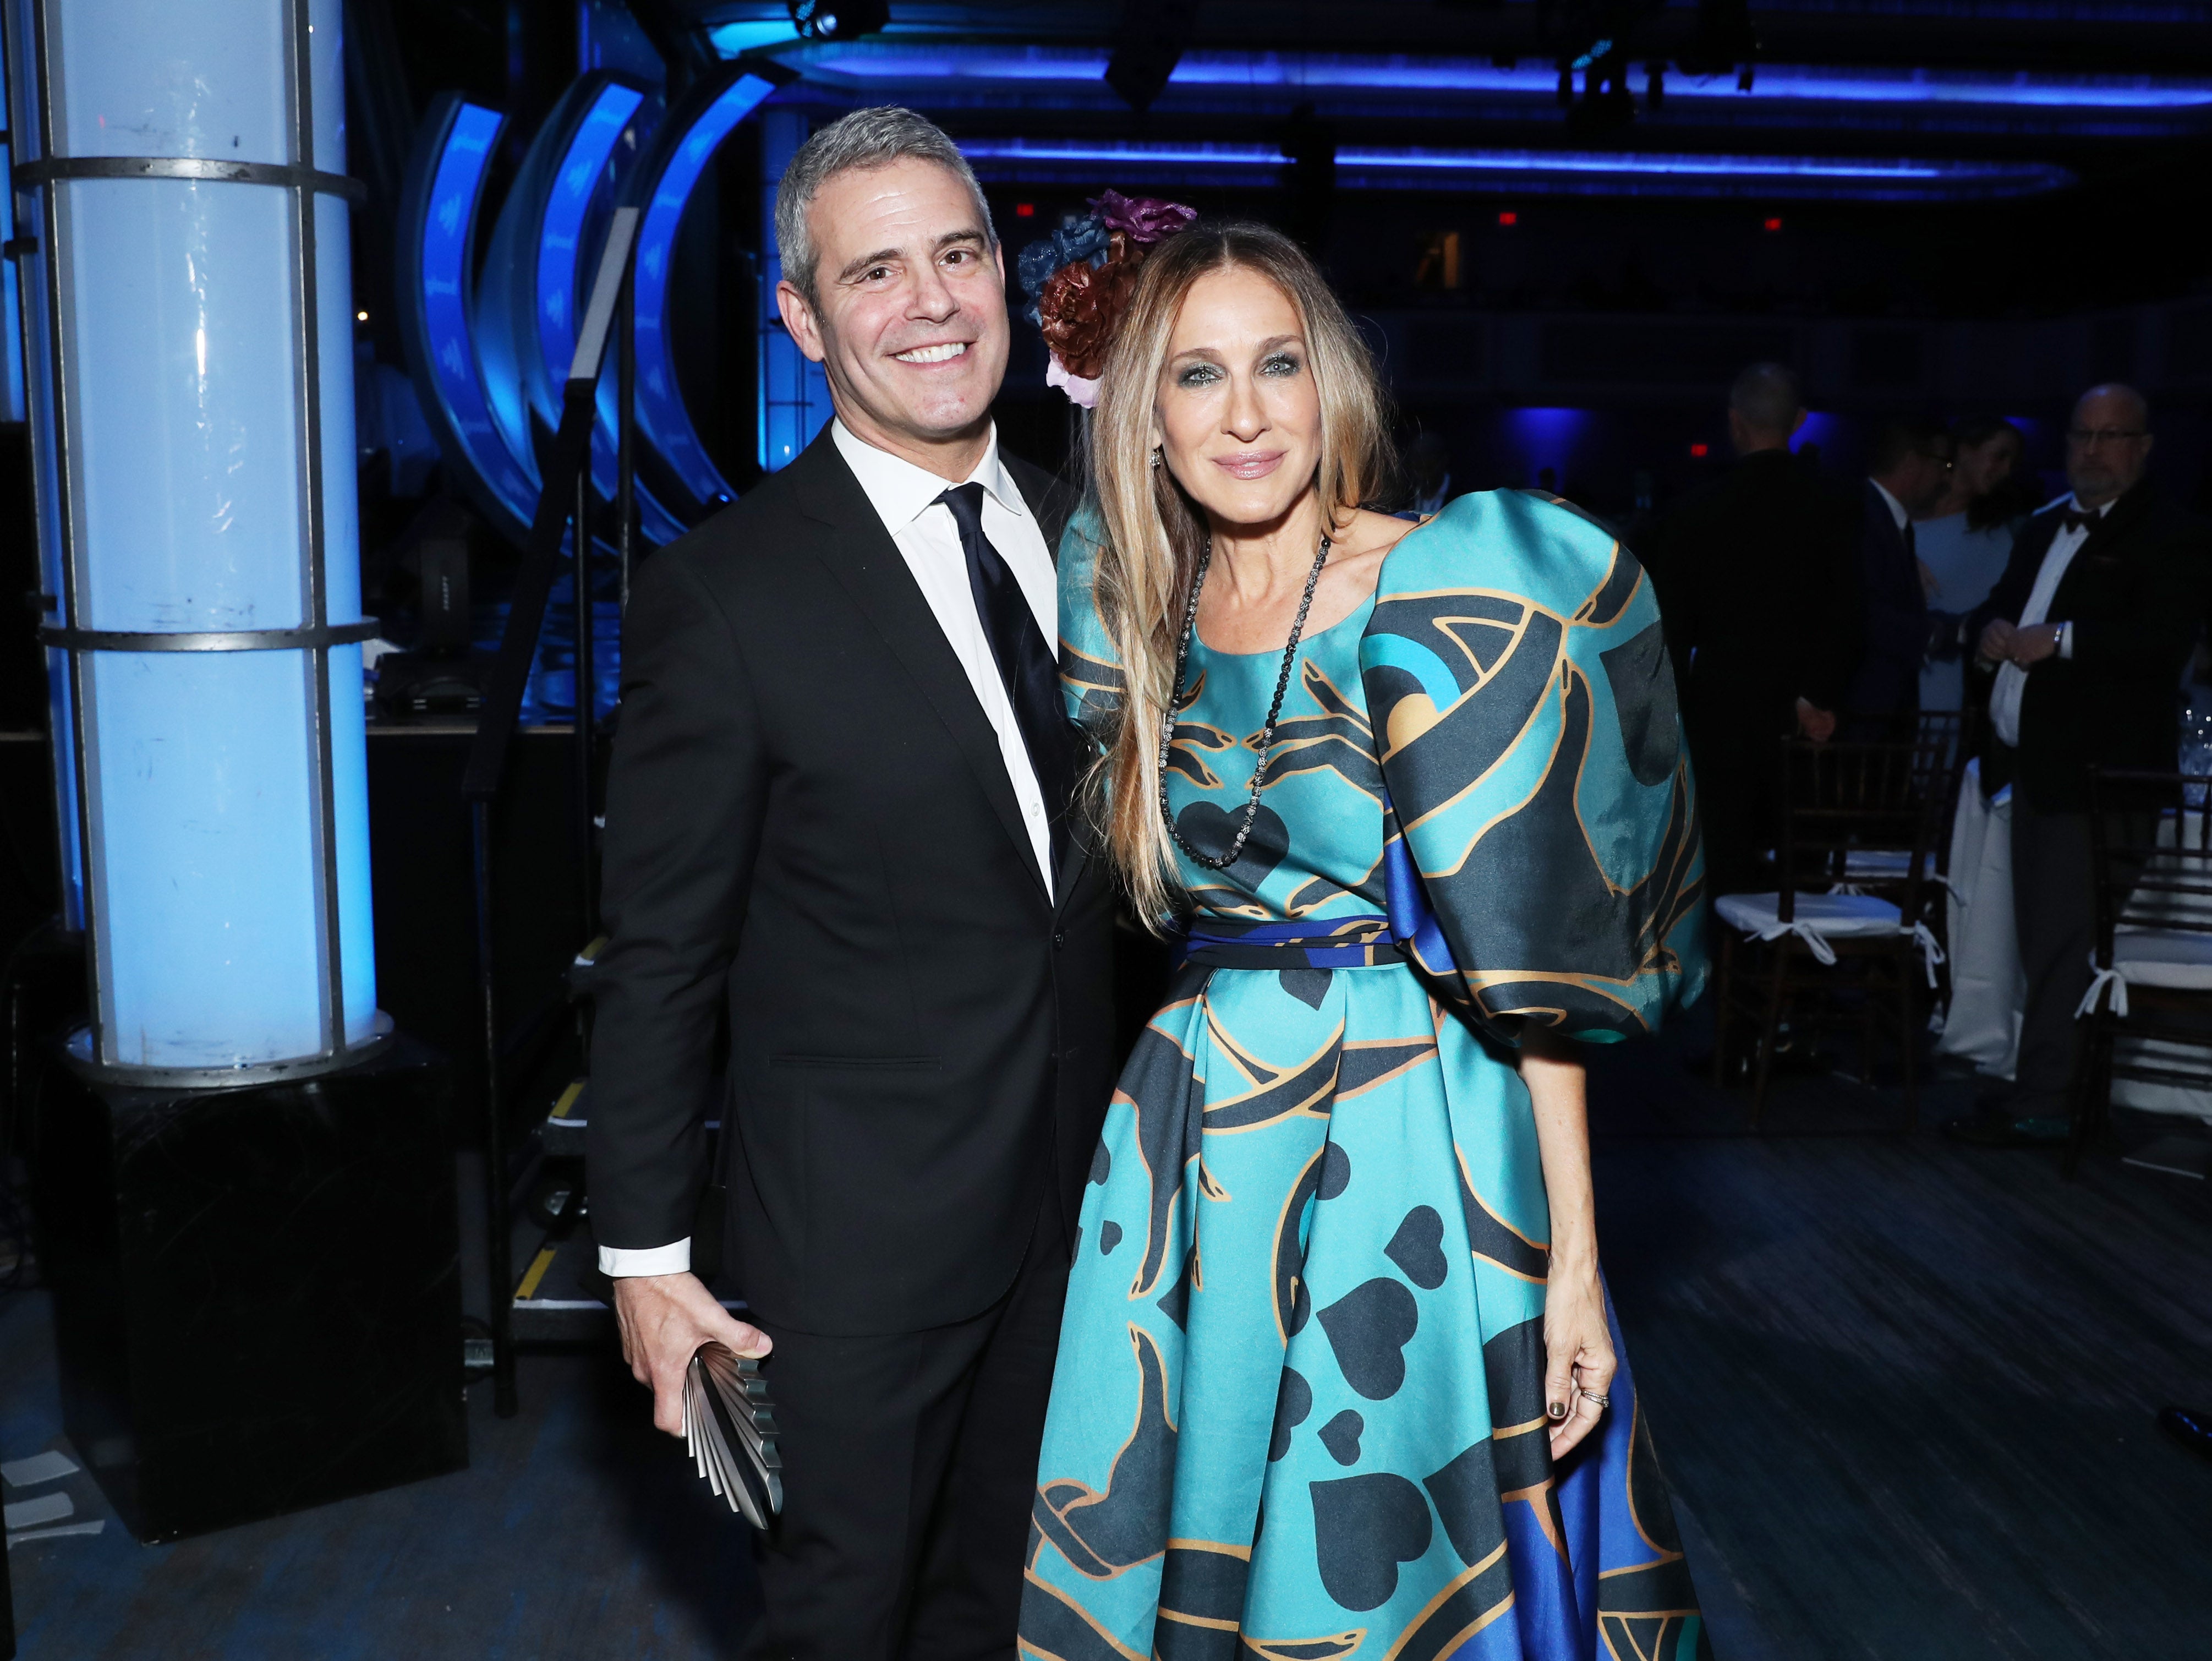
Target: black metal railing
{"type": "Point", "coordinates": [564, 506]}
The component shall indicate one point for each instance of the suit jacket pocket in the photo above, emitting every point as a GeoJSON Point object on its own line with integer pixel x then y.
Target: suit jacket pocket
{"type": "Point", "coordinates": [882, 1155]}
{"type": "Point", "coordinates": [857, 1063]}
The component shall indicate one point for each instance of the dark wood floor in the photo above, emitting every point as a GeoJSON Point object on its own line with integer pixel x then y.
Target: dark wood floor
{"type": "Point", "coordinates": [1903, 1392]}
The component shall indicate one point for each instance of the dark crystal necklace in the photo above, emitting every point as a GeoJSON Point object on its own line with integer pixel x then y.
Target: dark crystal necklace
{"type": "Point", "coordinates": [1223, 861]}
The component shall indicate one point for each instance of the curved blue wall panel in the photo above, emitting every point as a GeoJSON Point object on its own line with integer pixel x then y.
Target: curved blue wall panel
{"type": "Point", "coordinates": [537, 272]}
{"type": "Point", "coordinates": [662, 186]}
{"type": "Point", "coordinates": [437, 229]}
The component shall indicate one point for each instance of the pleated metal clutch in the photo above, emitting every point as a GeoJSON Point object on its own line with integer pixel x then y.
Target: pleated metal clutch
{"type": "Point", "coordinates": [729, 1425]}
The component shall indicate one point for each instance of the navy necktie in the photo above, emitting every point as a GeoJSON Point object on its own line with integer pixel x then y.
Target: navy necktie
{"type": "Point", "coordinates": [1026, 664]}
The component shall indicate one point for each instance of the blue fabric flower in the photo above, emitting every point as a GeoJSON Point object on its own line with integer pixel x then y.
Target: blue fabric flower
{"type": "Point", "coordinates": [1085, 239]}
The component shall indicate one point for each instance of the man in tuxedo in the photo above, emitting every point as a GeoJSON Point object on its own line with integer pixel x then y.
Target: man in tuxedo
{"type": "Point", "coordinates": [1910, 470]}
{"type": "Point", "coordinates": [2088, 631]}
{"type": "Point", "coordinates": [838, 824]}
{"type": "Point", "coordinates": [1755, 582]}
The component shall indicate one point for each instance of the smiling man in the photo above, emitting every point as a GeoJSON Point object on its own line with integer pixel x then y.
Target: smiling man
{"type": "Point", "coordinates": [837, 823]}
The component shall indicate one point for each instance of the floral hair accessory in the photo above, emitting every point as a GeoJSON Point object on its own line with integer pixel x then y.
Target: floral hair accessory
{"type": "Point", "coordinates": [1078, 278]}
{"type": "Point", "coordinates": [1086, 241]}
{"type": "Point", "coordinates": [1141, 218]}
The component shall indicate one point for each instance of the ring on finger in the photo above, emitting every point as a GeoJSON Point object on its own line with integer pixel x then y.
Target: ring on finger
{"type": "Point", "coordinates": [1592, 1396]}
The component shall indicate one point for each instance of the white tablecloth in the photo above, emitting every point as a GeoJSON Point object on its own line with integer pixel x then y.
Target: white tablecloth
{"type": "Point", "coordinates": [1989, 992]}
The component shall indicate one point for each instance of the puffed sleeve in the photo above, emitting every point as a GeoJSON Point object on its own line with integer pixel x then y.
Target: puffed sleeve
{"type": "Point", "coordinates": [1542, 855]}
{"type": "Point", "coordinates": [1090, 673]}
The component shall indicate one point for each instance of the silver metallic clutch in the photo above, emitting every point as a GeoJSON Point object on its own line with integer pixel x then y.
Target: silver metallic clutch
{"type": "Point", "coordinates": [729, 1425]}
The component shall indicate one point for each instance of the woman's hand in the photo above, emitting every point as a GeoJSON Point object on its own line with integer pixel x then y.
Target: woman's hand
{"type": "Point", "coordinates": [1578, 1373]}
{"type": "Point", "coordinates": [1577, 1344]}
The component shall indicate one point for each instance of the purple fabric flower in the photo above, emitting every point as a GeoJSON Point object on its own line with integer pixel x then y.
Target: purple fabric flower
{"type": "Point", "coordinates": [1141, 218]}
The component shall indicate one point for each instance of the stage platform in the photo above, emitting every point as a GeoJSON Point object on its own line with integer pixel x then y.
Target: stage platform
{"type": "Point", "coordinates": [1904, 1392]}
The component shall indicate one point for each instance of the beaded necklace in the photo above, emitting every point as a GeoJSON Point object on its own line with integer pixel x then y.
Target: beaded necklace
{"type": "Point", "coordinates": [1223, 861]}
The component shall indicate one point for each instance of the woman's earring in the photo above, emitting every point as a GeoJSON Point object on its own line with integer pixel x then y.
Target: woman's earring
{"type": "Point", "coordinates": [1157, 457]}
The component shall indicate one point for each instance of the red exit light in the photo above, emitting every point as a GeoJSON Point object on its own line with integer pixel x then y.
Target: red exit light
{"type": "Point", "coordinates": [1699, 451]}
{"type": "Point", "coordinates": [1509, 218]}
{"type": "Point", "coordinates": [1028, 210]}
{"type": "Point", "coordinates": [1773, 224]}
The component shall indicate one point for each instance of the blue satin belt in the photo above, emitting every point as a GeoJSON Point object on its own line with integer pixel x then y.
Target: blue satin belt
{"type": "Point", "coordinates": [1362, 942]}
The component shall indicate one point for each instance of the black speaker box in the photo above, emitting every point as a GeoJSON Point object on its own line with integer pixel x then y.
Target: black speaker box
{"type": "Point", "coordinates": [256, 1289]}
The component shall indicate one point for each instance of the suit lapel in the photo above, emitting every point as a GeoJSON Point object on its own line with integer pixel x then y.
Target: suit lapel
{"type": "Point", "coordinates": [869, 567]}
{"type": "Point", "coordinates": [1052, 502]}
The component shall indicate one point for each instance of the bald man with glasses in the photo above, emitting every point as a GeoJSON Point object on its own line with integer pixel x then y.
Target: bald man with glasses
{"type": "Point", "coordinates": [2086, 634]}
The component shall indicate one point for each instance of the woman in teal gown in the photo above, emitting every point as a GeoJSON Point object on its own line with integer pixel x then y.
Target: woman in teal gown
{"type": "Point", "coordinates": [1304, 1405]}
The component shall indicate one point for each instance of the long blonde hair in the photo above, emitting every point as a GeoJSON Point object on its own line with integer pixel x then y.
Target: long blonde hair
{"type": "Point", "coordinates": [1155, 533]}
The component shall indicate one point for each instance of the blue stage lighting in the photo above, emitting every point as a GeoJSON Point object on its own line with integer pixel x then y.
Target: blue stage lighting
{"type": "Point", "coordinates": [1528, 172]}
{"type": "Point", "coordinates": [731, 38]}
{"type": "Point", "coordinates": [526, 304]}
{"type": "Point", "coordinates": [438, 224]}
{"type": "Point", "coordinates": [662, 184]}
{"type": "Point", "coordinates": [1304, 74]}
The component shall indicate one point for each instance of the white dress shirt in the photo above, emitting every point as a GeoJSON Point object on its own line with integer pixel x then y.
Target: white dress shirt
{"type": "Point", "coordinates": [1896, 507]}
{"type": "Point", "coordinates": [2012, 679]}
{"type": "Point", "coordinates": [904, 497]}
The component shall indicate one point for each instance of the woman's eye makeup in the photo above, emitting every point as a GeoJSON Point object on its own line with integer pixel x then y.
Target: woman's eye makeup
{"type": "Point", "coordinates": [1278, 364]}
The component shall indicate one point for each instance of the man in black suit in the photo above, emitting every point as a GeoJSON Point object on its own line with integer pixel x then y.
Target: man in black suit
{"type": "Point", "coordinates": [838, 819]}
{"type": "Point", "coordinates": [1910, 470]}
{"type": "Point", "coordinates": [2088, 631]}
{"type": "Point", "coordinates": [1755, 584]}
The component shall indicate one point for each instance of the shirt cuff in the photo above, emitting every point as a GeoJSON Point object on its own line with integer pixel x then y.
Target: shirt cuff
{"type": "Point", "coordinates": [2066, 640]}
{"type": "Point", "coordinates": [621, 1263]}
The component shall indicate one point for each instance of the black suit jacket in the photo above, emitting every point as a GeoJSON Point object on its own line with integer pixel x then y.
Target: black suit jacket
{"type": "Point", "coordinates": [1895, 617]}
{"type": "Point", "coordinates": [1755, 581]}
{"type": "Point", "coordinates": [810, 829]}
{"type": "Point", "coordinates": [2134, 594]}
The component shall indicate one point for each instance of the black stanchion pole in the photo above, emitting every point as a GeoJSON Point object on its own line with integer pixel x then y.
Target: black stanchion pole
{"type": "Point", "coordinates": [566, 497]}
{"type": "Point", "coordinates": [625, 344]}
{"type": "Point", "coordinates": [499, 1224]}
{"type": "Point", "coordinates": [586, 697]}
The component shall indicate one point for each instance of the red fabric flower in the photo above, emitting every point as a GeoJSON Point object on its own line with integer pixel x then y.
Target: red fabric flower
{"type": "Point", "coordinates": [1081, 306]}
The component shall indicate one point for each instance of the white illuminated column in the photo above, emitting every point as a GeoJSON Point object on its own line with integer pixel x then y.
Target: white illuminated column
{"type": "Point", "coordinates": [190, 375]}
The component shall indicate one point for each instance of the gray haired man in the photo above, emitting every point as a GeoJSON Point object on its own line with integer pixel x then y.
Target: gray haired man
{"type": "Point", "coordinates": [837, 822]}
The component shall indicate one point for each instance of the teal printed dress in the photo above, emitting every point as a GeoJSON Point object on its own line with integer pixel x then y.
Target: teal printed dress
{"type": "Point", "coordinates": [1298, 1413]}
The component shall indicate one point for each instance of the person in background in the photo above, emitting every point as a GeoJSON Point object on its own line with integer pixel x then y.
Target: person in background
{"type": "Point", "coordinates": [1754, 575]}
{"type": "Point", "coordinates": [1911, 473]}
{"type": "Point", "coordinates": [1963, 545]}
{"type": "Point", "coordinates": [2087, 631]}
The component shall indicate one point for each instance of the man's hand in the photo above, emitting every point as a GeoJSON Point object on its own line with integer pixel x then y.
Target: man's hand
{"type": "Point", "coordinates": [1997, 642]}
{"type": "Point", "coordinates": [1814, 722]}
{"type": "Point", "coordinates": [664, 1318]}
{"type": "Point", "coordinates": [2032, 645]}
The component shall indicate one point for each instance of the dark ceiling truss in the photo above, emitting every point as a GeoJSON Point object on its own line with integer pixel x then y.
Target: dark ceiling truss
{"type": "Point", "coordinates": [2074, 36]}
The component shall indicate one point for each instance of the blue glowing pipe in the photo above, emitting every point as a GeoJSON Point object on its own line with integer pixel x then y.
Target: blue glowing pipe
{"type": "Point", "coordinates": [191, 392]}
{"type": "Point", "coordinates": [1528, 172]}
{"type": "Point", "coordinates": [437, 229]}
{"type": "Point", "coordinates": [878, 67]}
{"type": "Point", "coordinates": [661, 186]}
